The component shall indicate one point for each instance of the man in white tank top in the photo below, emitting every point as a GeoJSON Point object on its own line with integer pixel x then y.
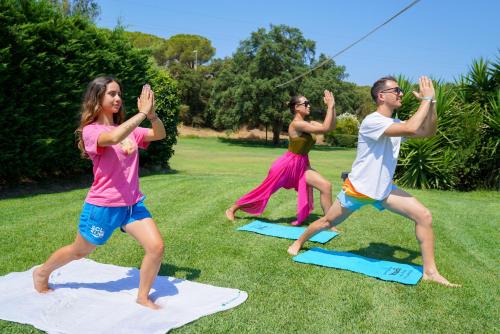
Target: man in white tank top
{"type": "Point", "coordinates": [370, 180]}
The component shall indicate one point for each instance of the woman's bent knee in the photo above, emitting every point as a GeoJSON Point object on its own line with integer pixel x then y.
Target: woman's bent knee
{"type": "Point", "coordinates": [156, 249]}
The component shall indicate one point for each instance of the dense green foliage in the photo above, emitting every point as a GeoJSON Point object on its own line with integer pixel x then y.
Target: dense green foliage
{"type": "Point", "coordinates": [341, 140]}
{"type": "Point", "coordinates": [154, 44]}
{"type": "Point", "coordinates": [86, 8]}
{"type": "Point", "coordinates": [465, 153]}
{"type": "Point", "coordinates": [179, 54]}
{"type": "Point", "coordinates": [46, 61]}
{"type": "Point", "coordinates": [167, 107]}
{"type": "Point", "coordinates": [246, 92]}
{"type": "Point", "coordinates": [204, 89]}
{"type": "Point", "coordinates": [347, 124]}
{"type": "Point", "coordinates": [345, 133]}
{"type": "Point", "coordinates": [190, 50]}
{"type": "Point", "coordinates": [284, 296]}
{"type": "Point", "coordinates": [365, 103]}
{"type": "Point", "coordinates": [330, 76]}
{"type": "Point", "coordinates": [195, 88]}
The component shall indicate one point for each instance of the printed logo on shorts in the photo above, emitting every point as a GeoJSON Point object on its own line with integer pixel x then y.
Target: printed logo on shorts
{"type": "Point", "coordinates": [97, 232]}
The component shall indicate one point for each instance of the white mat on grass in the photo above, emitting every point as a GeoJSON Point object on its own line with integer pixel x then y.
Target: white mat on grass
{"type": "Point", "coordinates": [91, 297]}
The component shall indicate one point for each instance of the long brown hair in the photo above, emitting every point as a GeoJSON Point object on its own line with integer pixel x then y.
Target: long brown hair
{"type": "Point", "coordinates": [91, 108]}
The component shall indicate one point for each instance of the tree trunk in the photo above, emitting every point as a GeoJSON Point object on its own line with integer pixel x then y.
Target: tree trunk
{"type": "Point", "coordinates": [276, 133]}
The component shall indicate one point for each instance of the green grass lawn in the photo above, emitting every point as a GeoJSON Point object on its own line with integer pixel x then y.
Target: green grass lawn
{"type": "Point", "coordinates": [284, 296]}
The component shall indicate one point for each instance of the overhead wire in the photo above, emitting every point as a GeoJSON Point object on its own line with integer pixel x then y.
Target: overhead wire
{"type": "Point", "coordinates": [329, 59]}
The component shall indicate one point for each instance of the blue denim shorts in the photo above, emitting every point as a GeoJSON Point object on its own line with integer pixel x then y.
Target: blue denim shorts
{"type": "Point", "coordinates": [97, 223]}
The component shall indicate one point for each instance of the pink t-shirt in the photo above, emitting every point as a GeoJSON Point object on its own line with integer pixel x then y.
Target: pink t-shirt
{"type": "Point", "coordinates": [116, 177]}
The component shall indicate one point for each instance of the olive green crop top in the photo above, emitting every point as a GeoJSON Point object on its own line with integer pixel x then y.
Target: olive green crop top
{"type": "Point", "coordinates": [301, 144]}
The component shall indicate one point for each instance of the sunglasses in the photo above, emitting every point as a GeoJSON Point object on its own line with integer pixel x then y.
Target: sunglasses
{"type": "Point", "coordinates": [396, 90]}
{"type": "Point", "coordinates": [305, 103]}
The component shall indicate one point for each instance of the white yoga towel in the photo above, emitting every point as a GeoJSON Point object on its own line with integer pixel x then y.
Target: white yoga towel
{"type": "Point", "coordinates": [91, 297]}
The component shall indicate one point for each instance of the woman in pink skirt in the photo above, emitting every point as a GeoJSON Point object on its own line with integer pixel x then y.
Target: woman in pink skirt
{"type": "Point", "coordinates": [292, 169]}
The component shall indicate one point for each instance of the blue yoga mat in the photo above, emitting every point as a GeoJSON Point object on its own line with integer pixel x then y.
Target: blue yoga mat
{"type": "Point", "coordinates": [385, 270]}
{"type": "Point", "coordinates": [287, 232]}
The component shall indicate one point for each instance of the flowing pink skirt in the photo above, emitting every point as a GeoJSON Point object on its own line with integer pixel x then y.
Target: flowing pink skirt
{"type": "Point", "coordinates": [288, 171]}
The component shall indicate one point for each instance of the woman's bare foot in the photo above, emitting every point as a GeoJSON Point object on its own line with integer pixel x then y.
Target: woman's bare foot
{"type": "Point", "coordinates": [436, 277]}
{"type": "Point", "coordinates": [148, 303]}
{"type": "Point", "coordinates": [294, 248]}
{"type": "Point", "coordinates": [40, 282]}
{"type": "Point", "coordinates": [230, 214]}
{"type": "Point", "coordinates": [334, 229]}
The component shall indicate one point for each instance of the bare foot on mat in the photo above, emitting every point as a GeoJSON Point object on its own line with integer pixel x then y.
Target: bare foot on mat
{"type": "Point", "coordinates": [148, 303]}
{"type": "Point", "coordinates": [40, 282]}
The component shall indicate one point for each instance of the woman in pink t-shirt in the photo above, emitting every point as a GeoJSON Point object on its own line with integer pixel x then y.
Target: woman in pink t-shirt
{"type": "Point", "coordinates": [114, 200]}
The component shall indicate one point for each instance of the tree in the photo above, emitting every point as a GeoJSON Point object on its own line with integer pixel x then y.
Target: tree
{"type": "Point", "coordinates": [156, 45]}
{"type": "Point", "coordinates": [246, 92]}
{"type": "Point", "coordinates": [86, 8]}
{"type": "Point", "coordinates": [366, 104]}
{"type": "Point", "coordinates": [191, 86]}
{"type": "Point", "coordinates": [177, 56]}
{"type": "Point", "coordinates": [189, 49]}
{"type": "Point", "coordinates": [330, 77]}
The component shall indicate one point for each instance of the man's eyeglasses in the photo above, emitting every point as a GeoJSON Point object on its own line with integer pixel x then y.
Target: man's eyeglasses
{"type": "Point", "coordinates": [305, 103]}
{"type": "Point", "coordinates": [396, 90]}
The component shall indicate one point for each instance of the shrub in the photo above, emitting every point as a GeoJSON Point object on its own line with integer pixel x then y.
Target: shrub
{"type": "Point", "coordinates": [347, 124]}
{"type": "Point", "coordinates": [465, 152]}
{"type": "Point", "coordinates": [167, 107]}
{"type": "Point", "coordinates": [46, 61]}
{"type": "Point", "coordinates": [345, 133]}
{"type": "Point", "coordinates": [184, 114]}
{"type": "Point", "coordinates": [427, 164]}
{"type": "Point", "coordinates": [342, 140]}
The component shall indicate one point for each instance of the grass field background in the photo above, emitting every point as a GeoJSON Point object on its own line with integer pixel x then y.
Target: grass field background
{"type": "Point", "coordinates": [209, 174]}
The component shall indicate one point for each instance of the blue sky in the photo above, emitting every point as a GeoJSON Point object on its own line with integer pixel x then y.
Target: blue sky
{"type": "Point", "coordinates": [435, 37]}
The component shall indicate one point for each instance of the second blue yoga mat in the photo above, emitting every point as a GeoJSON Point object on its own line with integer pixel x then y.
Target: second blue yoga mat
{"type": "Point", "coordinates": [287, 232]}
{"type": "Point", "coordinates": [385, 270]}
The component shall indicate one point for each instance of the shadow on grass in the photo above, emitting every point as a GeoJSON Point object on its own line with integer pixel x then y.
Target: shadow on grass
{"type": "Point", "coordinates": [59, 184]}
{"type": "Point", "coordinates": [268, 144]}
{"type": "Point", "coordinates": [253, 142]}
{"type": "Point", "coordinates": [46, 186]}
{"type": "Point", "coordinates": [179, 272]}
{"type": "Point", "coordinates": [149, 172]}
{"type": "Point", "coordinates": [386, 252]}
